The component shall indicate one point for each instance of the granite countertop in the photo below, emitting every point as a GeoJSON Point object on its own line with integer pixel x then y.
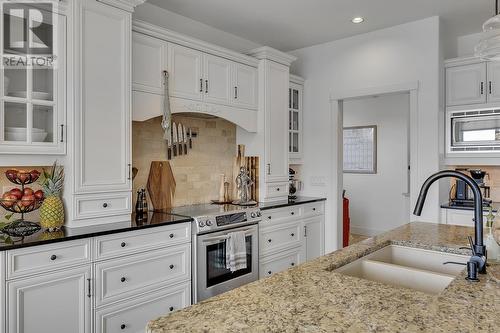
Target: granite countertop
{"type": "Point", "coordinates": [67, 234]}
{"type": "Point", "coordinates": [313, 298]}
{"type": "Point", "coordinates": [300, 200]}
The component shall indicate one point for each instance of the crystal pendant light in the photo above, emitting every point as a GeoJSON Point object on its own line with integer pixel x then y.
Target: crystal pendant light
{"type": "Point", "coordinates": [489, 46]}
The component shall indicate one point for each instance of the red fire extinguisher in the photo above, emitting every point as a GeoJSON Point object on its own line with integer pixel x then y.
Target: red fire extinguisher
{"type": "Point", "coordinates": [346, 221]}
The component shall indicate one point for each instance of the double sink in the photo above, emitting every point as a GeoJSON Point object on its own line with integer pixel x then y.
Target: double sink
{"type": "Point", "coordinates": [413, 268]}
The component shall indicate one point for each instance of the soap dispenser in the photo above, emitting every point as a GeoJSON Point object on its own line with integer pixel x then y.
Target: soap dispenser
{"type": "Point", "coordinates": [492, 247]}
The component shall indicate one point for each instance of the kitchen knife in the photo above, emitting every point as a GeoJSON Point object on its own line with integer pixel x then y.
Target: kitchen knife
{"type": "Point", "coordinates": [174, 138]}
{"type": "Point", "coordinates": [184, 134]}
{"type": "Point", "coordinates": [190, 139]}
{"type": "Point", "coordinates": [179, 138]}
{"type": "Point", "coordinates": [169, 144]}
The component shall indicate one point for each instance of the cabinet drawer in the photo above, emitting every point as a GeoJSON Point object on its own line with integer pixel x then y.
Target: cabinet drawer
{"type": "Point", "coordinates": [42, 258]}
{"type": "Point", "coordinates": [274, 264]}
{"type": "Point", "coordinates": [132, 242]}
{"type": "Point", "coordinates": [313, 209]}
{"type": "Point", "coordinates": [134, 275]}
{"type": "Point", "coordinates": [102, 205]}
{"type": "Point", "coordinates": [133, 316]}
{"type": "Point", "coordinates": [275, 190]}
{"type": "Point", "coordinates": [280, 215]}
{"type": "Point", "coordinates": [279, 237]}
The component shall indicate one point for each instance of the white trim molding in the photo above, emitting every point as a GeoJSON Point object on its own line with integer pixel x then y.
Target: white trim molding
{"type": "Point", "coordinates": [370, 91]}
{"type": "Point", "coordinates": [266, 52]}
{"type": "Point", "coordinates": [297, 79]}
{"type": "Point", "coordinates": [127, 5]}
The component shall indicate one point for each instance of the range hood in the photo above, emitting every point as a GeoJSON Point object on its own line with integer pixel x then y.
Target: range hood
{"type": "Point", "coordinates": [148, 105]}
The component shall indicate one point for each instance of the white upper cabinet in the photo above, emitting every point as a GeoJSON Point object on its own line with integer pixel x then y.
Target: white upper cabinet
{"type": "Point", "coordinates": [277, 122]}
{"type": "Point", "coordinates": [493, 81]}
{"type": "Point", "coordinates": [217, 79]}
{"type": "Point", "coordinates": [245, 86]}
{"type": "Point", "coordinates": [186, 77]}
{"type": "Point", "coordinates": [148, 62]}
{"type": "Point", "coordinates": [466, 84]}
{"type": "Point", "coordinates": [33, 97]}
{"type": "Point", "coordinates": [295, 117]}
{"type": "Point", "coordinates": [103, 124]}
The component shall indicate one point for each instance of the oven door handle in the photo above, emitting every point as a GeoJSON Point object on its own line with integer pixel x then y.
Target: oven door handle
{"type": "Point", "coordinates": [219, 238]}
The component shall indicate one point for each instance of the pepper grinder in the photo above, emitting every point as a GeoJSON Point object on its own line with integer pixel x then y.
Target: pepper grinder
{"type": "Point", "coordinates": [141, 206]}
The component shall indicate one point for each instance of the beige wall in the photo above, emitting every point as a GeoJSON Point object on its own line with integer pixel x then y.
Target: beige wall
{"type": "Point", "coordinates": [197, 174]}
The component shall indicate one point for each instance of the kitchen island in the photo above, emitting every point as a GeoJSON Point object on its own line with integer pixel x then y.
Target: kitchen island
{"type": "Point", "coordinates": [313, 298]}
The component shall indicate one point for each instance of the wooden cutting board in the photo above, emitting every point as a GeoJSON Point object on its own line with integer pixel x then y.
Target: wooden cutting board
{"type": "Point", "coordinates": [161, 185]}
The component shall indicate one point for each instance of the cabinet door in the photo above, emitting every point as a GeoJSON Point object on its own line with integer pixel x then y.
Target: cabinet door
{"type": "Point", "coordinates": [33, 99]}
{"type": "Point", "coordinates": [133, 316]}
{"type": "Point", "coordinates": [493, 81]}
{"type": "Point", "coordinates": [148, 63]}
{"type": "Point", "coordinates": [103, 125]}
{"type": "Point", "coordinates": [276, 123]}
{"type": "Point", "coordinates": [56, 302]}
{"type": "Point", "coordinates": [295, 121]}
{"type": "Point", "coordinates": [466, 84]}
{"type": "Point", "coordinates": [313, 232]}
{"type": "Point", "coordinates": [217, 79]}
{"type": "Point", "coordinates": [280, 262]}
{"type": "Point", "coordinates": [3, 324]}
{"type": "Point", "coordinates": [245, 86]}
{"type": "Point", "coordinates": [186, 80]}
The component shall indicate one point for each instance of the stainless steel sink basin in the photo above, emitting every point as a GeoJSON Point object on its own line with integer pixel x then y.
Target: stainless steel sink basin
{"type": "Point", "coordinates": [407, 267]}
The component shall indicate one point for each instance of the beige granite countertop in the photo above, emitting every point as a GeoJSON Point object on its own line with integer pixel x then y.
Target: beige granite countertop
{"type": "Point", "coordinates": [312, 298]}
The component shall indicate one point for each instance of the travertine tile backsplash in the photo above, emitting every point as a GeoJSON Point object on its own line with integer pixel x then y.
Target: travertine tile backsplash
{"type": "Point", "coordinates": [492, 179]}
{"type": "Point", "coordinates": [197, 174]}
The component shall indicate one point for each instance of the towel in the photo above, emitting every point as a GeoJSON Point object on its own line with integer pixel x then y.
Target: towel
{"type": "Point", "coordinates": [236, 251]}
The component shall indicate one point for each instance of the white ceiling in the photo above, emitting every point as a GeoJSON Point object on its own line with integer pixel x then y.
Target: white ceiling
{"type": "Point", "coordinates": [293, 24]}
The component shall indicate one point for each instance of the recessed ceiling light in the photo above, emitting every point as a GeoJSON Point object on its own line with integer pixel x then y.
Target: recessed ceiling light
{"type": "Point", "coordinates": [358, 19]}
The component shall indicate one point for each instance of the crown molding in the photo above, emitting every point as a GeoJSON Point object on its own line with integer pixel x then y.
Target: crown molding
{"type": "Point", "coordinates": [266, 52]}
{"type": "Point", "coordinates": [297, 79]}
{"type": "Point", "coordinates": [127, 5]}
{"type": "Point", "coordinates": [180, 39]}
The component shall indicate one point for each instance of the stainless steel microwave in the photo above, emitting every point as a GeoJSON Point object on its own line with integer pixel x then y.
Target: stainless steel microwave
{"type": "Point", "coordinates": [473, 131]}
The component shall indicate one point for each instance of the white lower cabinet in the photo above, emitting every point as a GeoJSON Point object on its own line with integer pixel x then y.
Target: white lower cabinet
{"type": "Point", "coordinates": [132, 316]}
{"type": "Point", "coordinates": [290, 236]}
{"type": "Point", "coordinates": [313, 236]}
{"type": "Point", "coordinates": [64, 288]}
{"type": "Point", "coordinates": [51, 302]}
{"type": "Point", "coordinates": [280, 262]}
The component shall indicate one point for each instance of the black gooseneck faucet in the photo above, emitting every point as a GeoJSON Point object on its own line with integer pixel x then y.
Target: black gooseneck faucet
{"type": "Point", "coordinates": [477, 262]}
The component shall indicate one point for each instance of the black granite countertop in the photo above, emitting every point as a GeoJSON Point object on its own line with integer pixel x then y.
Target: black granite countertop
{"type": "Point", "coordinates": [448, 205]}
{"type": "Point", "coordinates": [300, 200]}
{"type": "Point", "coordinates": [154, 220]}
{"type": "Point", "coordinates": [67, 234]}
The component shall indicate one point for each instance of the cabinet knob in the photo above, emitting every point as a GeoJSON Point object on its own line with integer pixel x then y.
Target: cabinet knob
{"type": "Point", "coordinates": [123, 244]}
{"type": "Point", "coordinates": [171, 308]}
{"type": "Point", "coordinates": [292, 234]}
{"type": "Point", "coordinates": [171, 266]}
{"type": "Point", "coordinates": [122, 326]}
{"type": "Point", "coordinates": [105, 205]}
{"type": "Point", "coordinates": [53, 257]}
{"type": "Point", "coordinates": [269, 272]}
{"type": "Point", "coordinates": [269, 217]}
{"type": "Point", "coordinates": [278, 189]}
{"type": "Point", "coordinates": [293, 213]}
{"type": "Point", "coordinates": [293, 264]}
{"type": "Point", "coordinates": [123, 279]}
{"type": "Point", "coordinates": [269, 240]}
{"type": "Point", "coordinates": [171, 235]}
{"type": "Point", "coordinates": [314, 208]}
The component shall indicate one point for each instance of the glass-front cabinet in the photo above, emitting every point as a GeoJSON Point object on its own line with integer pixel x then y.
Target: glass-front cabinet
{"type": "Point", "coordinates": [295, 121]}
{"type": "Point", "coordinates": [32, 76]}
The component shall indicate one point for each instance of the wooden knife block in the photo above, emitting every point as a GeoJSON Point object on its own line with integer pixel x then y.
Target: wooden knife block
{"type": "Point", "coordinates": [252, 164]}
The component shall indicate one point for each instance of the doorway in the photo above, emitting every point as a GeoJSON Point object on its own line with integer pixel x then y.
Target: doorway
{"type": "Point", "coordinates": [376, 162]}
